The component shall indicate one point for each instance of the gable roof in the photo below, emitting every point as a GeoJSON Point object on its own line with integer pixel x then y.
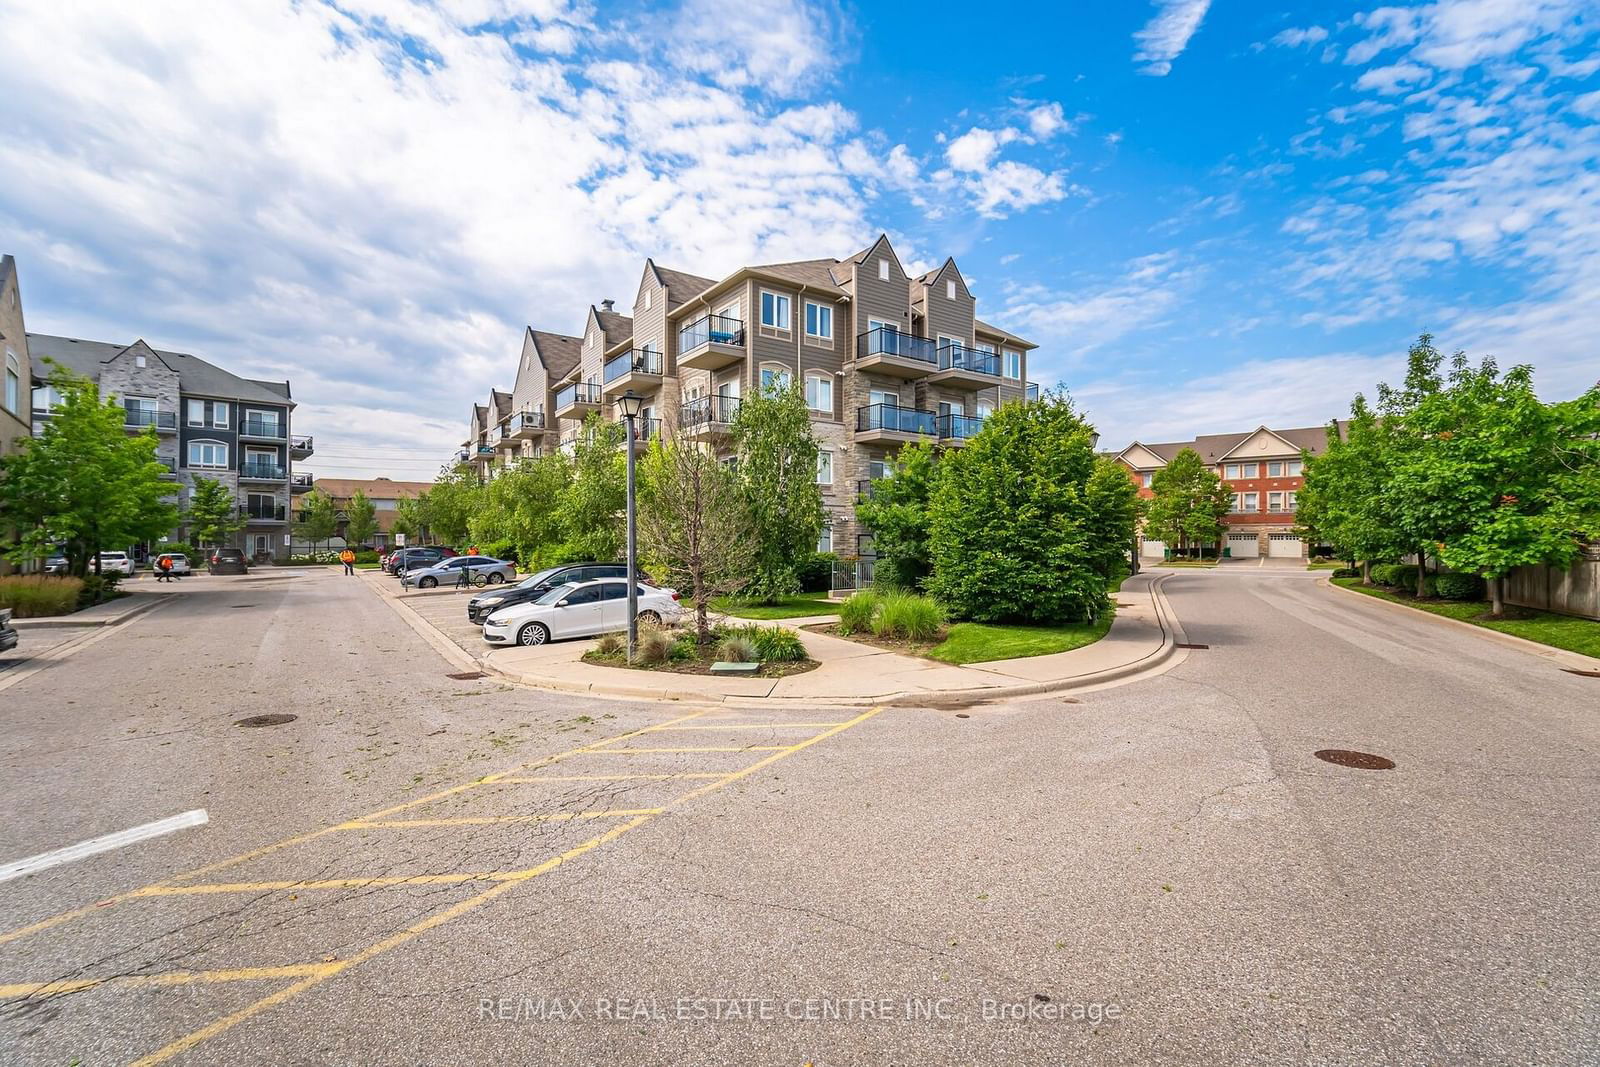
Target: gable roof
{"type": "Point", "coordinates": [1261, 430]}
{"type": "Point", "coordinates": [615, 326]}
{"type": "Point", "coordinates": [558, 352]}
{"type": "Point", "coordinates": [1003, 334]}
{"type": "Point", "coordinates": [1214, 447]}
{"type": "Point", "coordinates": [814, 273]}
{"type": "Point", "coordinates": [680, 285]}
{"type": "Point", "coordinates": [195, 375]}
{"type": "Point", "coordinates": [385, 488]}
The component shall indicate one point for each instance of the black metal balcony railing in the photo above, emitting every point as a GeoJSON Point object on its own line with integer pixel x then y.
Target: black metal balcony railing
{"type": "Point", "coordinates": [892, 417]}
{"type": "Point", "coordinates": [644, 430]}
{"type": "Point", "coordinates": [634, 361]}
{"type": "Point", "coordinates": [262, 512]}
{"type": "Point", "coordinates": [959, 427]}
{"type": "Point", "coordinates": [301, 445]}
{"type": "Point", "coordinates": [708, 411]}
{"type": "Point", "coordinates": [955, 355]}
{"type": "Point", "coordinates": [254, 469]}
{"type": "Point", "coordinates": [250, 427]}
{"type": "Point", "coordinates": [303, 480]}
{"type": "Point", "coordinates": [578, 393]}
{"type": "Point", "coordinates": [884, 341]}
{"type": "Point", "coordinates": [161, 420]}
{"type": "Point", "coordinates": [710, 329]}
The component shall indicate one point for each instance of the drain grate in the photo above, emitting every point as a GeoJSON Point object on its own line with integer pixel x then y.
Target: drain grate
{"type": "Point", "coordinates": [241, 605]}
{"type": "Point", "coordinates": [266, 720]}
{"type": "Point", "coordinates": [466, 676]}
{"type": "Point", "coordinates": [1180, 644]}
{"type": "Point", "coordinates": [1361, 761]}
{"type": "Point", "coordinates": [1580, 672]}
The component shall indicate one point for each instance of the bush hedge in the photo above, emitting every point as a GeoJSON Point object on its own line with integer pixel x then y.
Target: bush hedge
{"type": "Point", "coordinates": [1398, 575]}
{"type": "Point", "coordinates": [98, 588]}
{"type": "Point", "coordinates": [1459, 587]}
{"type": "Point", "coordinates": [1346, 572]}
{"type": "Point", "coordinates": [770, 644]}
{"type": "Point", "coordinates": [31, 596]}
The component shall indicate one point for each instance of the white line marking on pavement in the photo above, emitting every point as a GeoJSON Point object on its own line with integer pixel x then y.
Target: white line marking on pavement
{"type": "Point", "coordinates": [84, 849]}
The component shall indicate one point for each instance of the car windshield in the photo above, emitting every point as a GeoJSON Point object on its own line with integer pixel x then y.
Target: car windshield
{"type": "Point", "coordinates": [540, 578]}
{"type": "Point", "coordinates": [556, 594]}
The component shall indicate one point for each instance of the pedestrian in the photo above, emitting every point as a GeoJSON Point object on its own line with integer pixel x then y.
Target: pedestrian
{"type": "Point", "coordinates": [348, 558]}
{"type": "Point", "coordinates": [164, 568]}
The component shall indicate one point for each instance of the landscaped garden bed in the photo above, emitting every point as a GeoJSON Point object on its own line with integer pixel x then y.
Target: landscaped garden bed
{"type": "Point", "coordinates": [795, 607]}
{"type": "Point", "coordinates": [779, 651]}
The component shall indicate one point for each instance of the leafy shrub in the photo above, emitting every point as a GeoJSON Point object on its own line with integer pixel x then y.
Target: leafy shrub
{"type": "Point", "coordinates": [1430, 585]}
{"type": "Point", "coordinates": [684, 647]}
{"type": "Point", "coordinates": [738, 649]}
{"type": "Point", "coordinates": [778, 644]}
{"type": "Point", "coordinates": [366, 555]}
{"type": "Point", "coordinates": [816, 573]}
{"type": "Point", "coordinates": [1346, 572]}
{"type": "Point", "coordinates": [908, 617]}
{"type": "Point", "coordinates": [33, 595]}
{"type": "Point", "coordinates": [609, 645]}
{"type": "Point", "coordinates": [1459, 586]}
{"type": "Point", "coordinates": [196, 555]}
{"type": "Point", "coordinates": [503, 549]}
{"type": "Point", "coordinates": [1399, 575]}
{"type": "Point", "coordinates": [855, 614]}
{"type": "Point", "coordinates": [655, 646]}
{"type": "Point", "coordinates": [98, 588]}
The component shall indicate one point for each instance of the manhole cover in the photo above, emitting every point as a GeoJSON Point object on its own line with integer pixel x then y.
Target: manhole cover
{"type": "Point", "coordinates": [266, 720]}
{"type": "Point", "coordinates": [465, 676]}
{"type": "Point", "coordinates": [1363, 761]}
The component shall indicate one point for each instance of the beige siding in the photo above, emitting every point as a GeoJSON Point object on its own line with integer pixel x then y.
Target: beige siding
{"type": "Point", "coordinates": [14, 425]}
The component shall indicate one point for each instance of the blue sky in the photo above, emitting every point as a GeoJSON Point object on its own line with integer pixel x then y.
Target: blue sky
{"type": "Point", "coordinates": [1210, 214]}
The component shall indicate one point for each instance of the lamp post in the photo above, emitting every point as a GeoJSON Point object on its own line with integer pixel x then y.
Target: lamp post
{"type": "Point", "coordinates": [630, 406]}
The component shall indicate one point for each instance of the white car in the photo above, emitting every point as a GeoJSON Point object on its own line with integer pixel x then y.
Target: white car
{"type": "Point", "coordinates": [115, 561]}
{"type": "Point", "coordinates": [578, 609]}
{"type": "Point", "coordinates": [180, 563]}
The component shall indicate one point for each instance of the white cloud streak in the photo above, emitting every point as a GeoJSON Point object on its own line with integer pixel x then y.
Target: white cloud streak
{"type": "Point", "coordinates": [1165, 36]}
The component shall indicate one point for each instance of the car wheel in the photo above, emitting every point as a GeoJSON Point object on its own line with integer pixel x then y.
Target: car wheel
{"type": "Point", "coordinates": [496, 578]}
{"type": "Point", "coordinates": [427, 583]}
{"type": "Point", "coordinates": [650, 617]}
{"type": "Point", "coordinates": [533, 634]}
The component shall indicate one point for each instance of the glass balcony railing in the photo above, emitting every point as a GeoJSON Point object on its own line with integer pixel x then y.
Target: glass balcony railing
{"type": "Point", "coordinates": [710, 329]}
{"type": "Point", "coordinates": [883, 341]}
{"type": "Point", "coordinates": [959, 427]}
{"type": "Point", "coordinates": [161, 420]}
{"type": "Point", "coordinates": [1031, 391]}
{"type": "Point", "coordinates": [262, 512]}
{"type": "Point", "coordinates": [891, 417]}
{"type": "Point", "coordinates": [956, 356]}
{"type": "Point", "coordinates": [485, 451]}
{"type": "Point", "coordinates": [577, 393]}
{"type": "Point", "coordinates": [303, 480]}
{"type": "Point", "coordinates": [708, 411]}
{"type": "Point", "coordinates": [635, 361]}
{"type": "Point", "coordinates": [250, 427]}
{"type": "Point", "coordinates": [254, 469]}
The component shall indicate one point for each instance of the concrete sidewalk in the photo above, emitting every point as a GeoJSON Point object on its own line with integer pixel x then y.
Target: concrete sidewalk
{"type": "Point", "coordinates": [1143, 639]}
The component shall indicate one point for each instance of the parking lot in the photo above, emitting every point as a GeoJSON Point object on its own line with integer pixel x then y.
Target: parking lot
{"type": "Point", "coordinates": [445, 609]}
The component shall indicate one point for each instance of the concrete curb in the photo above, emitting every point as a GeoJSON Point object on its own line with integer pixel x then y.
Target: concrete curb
{"type": "Point", "coordinates": [1522, 644]}
{"type": "Point", "coordinates": [64, 622]}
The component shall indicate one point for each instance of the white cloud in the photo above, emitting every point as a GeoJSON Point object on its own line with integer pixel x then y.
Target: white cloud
{"type": "Point", "coordinates": [779, 46]}
{"type": "Point", "coordinates": [1072, 323]}
{"type": "Point", "coordinates": [1396, 78]}
{"type": "Point", "coordinates": [976, 149]}
{"type": "Point", "coordinates": [1164, 37]}
{"type": "Point", "coordinates": [1047, 120]}
{"type": "Point", "coordinates": [1295, 36]}
{"type": "Point", "coordinates": [1010, 186]}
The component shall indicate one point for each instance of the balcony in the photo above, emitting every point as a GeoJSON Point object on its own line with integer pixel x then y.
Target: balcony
{"type": "Point", "coordinates": [261, 429]}
{"type": "Point", "coordinates": [301, 483]}
{"type": "Point", "coordinates": [171, 465]}
{"type": "Point", "coordinates": [300, 448]}
{"type": "Point", "coordinates": [637, 369]}
{"type": "Point", "coordinates": [577, 400]}
{"type": "Point", "coordinates": [252, 471]}
{"type": "Point", "coordinates": [484, 453]}
{"type": "Point", "coordinates": [527, 424]}
{"type": "Point", "coordinates": [139, 418]}
{"type": "Point", "coordinates": [890, 423]}
{"type": "Point", "coordinates": [463, 455]}
{"type": "Point", "coordinates": [262, 512]}
{"type": "Point", "coordinates": [708, 416]}
{"type": "Point", "coordinates": [864, 490]}
{"type": "Point", "coordinates": [711, 343]}
{"type": "Point", "coordinates": [966, 368]}
{"type": "Point", "coordinates": [958, 429]}
{"type": "Point", "coordinates": [886, 351]}
{"type": "Point", "coordinates": [644, 430]}
{"type": "Point", "coordinates": [1030, 392]}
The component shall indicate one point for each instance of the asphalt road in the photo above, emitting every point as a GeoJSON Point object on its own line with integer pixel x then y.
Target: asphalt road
{"type": "Point", "coordinates": [1160, 873]}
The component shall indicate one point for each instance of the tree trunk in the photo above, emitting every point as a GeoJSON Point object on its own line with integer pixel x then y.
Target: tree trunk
{"type": "Point", "coordinates": [1422, 571]}
{"type": "Point", "coordinates": [1496, 604]}
{"type": "Point", "coordinates": [1366, 572]}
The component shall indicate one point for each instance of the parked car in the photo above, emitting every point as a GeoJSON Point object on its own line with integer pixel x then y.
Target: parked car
{"type": "Point", "coordinates": [55, 565]}
{"type": "Point", "coordinates": [580, 610]}
{"type": "Point", "coordinates": [426, 555]}
{"type": "Point", "coordinates": [450, 571]}
{"type": "Point", "coordinates": [180, 563]}
{"type": "Point", "coordinates": [119, 562]}
{"type": "Point", "coordinates": [227, 561]}
{"type": "Point", "coordinates": [8, 633]}
{"type": "Point", "coordinates": [537, 585]}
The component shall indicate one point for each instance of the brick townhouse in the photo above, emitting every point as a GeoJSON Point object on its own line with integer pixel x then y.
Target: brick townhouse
{"type": "Point", "coordinates": [385, 495]}
{"type": "Point", "coordinates": [1263, 469]}
{"type": "Point", "coordinates": [884, 358]}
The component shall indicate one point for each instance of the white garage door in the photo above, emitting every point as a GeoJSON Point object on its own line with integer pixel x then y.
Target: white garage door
{"type": "Point", "coordinates": [1241, 546]}
{"type": "Point", "coordinates": [1287, 545]}
{"type": "Point", "coordinates": [1155, 549]}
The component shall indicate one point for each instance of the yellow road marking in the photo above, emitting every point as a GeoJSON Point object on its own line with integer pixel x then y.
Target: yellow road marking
{"type": "Point", "coordinates": [242, 974]}
{"type": "Point", "coordinates": [489, 820]}
{"type": "Point", "coordinates": [751, 726]}
{"type": "Point", "coordinates": [375, 882]}
{"type": "Point", "coordinates": [711, 748]}
{"type": "Point", "coordinates": [756, 766]}
{"type": "Point", "coordinates": [602, 778]}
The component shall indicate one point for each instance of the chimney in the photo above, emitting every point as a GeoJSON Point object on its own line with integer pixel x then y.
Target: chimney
{"type": "Point", "coordinates": [607, 305]}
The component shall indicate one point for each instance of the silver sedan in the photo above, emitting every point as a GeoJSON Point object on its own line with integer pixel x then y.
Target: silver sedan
{"type": "Point", "coordinates": [461, 570]}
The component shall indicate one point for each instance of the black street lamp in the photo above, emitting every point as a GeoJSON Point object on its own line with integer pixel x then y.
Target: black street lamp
{"type": "Point", "coordinates": [630, 406]}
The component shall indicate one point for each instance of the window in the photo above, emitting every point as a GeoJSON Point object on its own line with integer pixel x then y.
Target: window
{"type": "Point", "coordinates": [46, 398]}
{"type": "Point", "coordinates": [819, 393]}
{"type": "Point", "coordinates": [138, 361]}
{"type": "Point", "coordinates": [1250, 470]}
{"type": "Point", "coordinates": [884, 397]}
{"type": "Point", "coordinates": [1147, 477]}
{"type": "Point", "coordinates": [1288, 500]}
{"type": "Point", "coordinates": [208, 454]}
{"type": "Point", "coordinates": [1252, 502]}
{"type": "Point", "coordinates": [219, 415]}
{"type": "Point", "coordinates": [1274, 500]}
{"type": "Point", "coordinates": [648, 294]}
{"type": "Point", "coordinates": [825, 539]}
{"type": "Point", "coordinates": [1275, 468]}
{"type": "Point", "coordinates": [950, 289]}
{"type": "Point", "coordinates": [774, 310]}
{"type": "Point", "coordinates": [824, 468]}
{"type": "Point", "coordinates": [197, 413]}
{"type": "Point", "coordinates": [1013, 364]}
{"type": "Point", "coordinates": [589, 594]}
{"type": "Point", "coordinates": [883, 270]}
{"type": "Point", "coordinates": [1231, 471]}
{"type": "Point", "coordinates": [614, 591]}
{"type": "Point", "coordinates": [1294, 467]}
{"type": "Point", "coordinates": [819, 321]}
{"type": "Point", "coordinates": [774, 378]}
{"type": "Point", "coordinates": [864, 545]}
{"type": "Point", "coordinates": [13, 381]}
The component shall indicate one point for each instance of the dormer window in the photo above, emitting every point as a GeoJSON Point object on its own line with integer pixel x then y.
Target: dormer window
{"type": "Point", "coordinates": [883, 270]}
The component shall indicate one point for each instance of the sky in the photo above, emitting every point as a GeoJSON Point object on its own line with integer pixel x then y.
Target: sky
{"type": "Point", "coordinates": [1209, 214]}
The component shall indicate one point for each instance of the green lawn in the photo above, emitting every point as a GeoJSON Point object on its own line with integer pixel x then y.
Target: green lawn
{"type": "Point", "coordinates": [979, 642]}
{"type": "Point", "coordinates": [1325, 565]}
{"type": "Point", "coordinates": [1188, 563]}
{"type": "Point", "coordinates": [1558, 631]}
{"type": "Point", "coordinates": [789, 608]}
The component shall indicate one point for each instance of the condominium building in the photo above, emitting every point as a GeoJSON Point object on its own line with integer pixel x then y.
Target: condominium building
{"type": "Point", "coordinates": [883, 357]}
{"type": "Point", "coordinates": [14, 421]}
{"type": "Point", "coordinates": [1264, 470]}
{"type": "Point", "coordinates": [209, 423]}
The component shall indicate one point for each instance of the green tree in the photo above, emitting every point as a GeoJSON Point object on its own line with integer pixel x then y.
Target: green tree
{"type": "Point", "coordinates": [319, 520]}
{"type": "Point", "coordinates": [1114, 508]}
{"type": "Point", "coordinates": [897, 514]}
{"type": "Point", "coordinates": [1190, 503]}
{"type": "Point", "coordinates": [592, 510]}
{"type": "Point", "coordinates": [213, 514]}
{"type": "Point", "coordinates": [1011, 523]}
{"type": "Point", "coordinates": [777, 470]}
{"type": "Point", "coordinates": [449, 505]}
{"type": "Point", "coordinates": [408, 518]}
{"type": "Point", "coordinates": [1341, 500]}
{"type": "Point", "coordinates": [518, 508]}
{"type": "Point", "coordinates": [1413, 499]}
{"type": "Point", "coordinates": [694, 525]}
{"type": "Point", "coordinates": [84, 482]}
{"type": "Point", "coordinates": [361, 520]}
